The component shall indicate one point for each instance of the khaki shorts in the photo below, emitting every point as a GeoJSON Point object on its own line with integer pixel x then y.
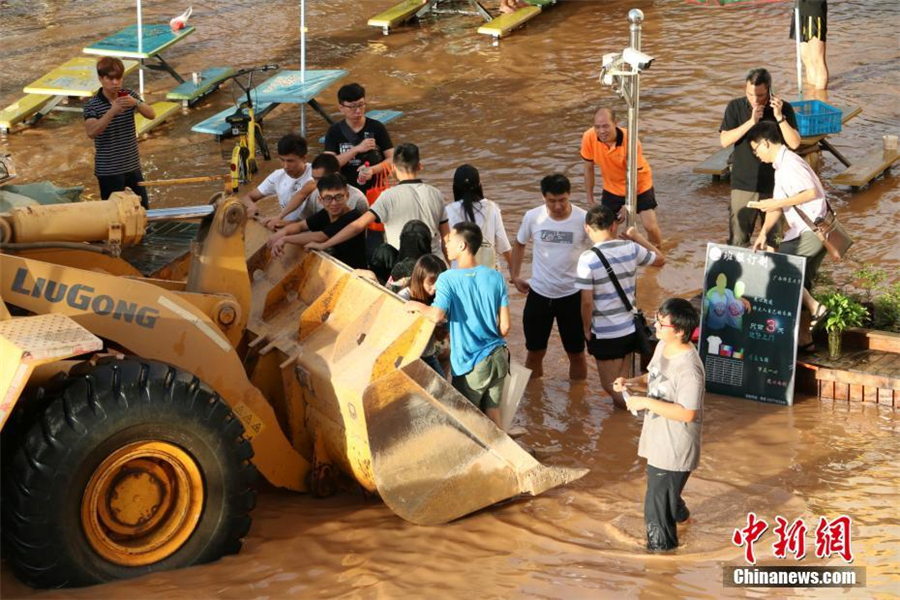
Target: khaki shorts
{"type": "Point", "coordinates": [483, 385]}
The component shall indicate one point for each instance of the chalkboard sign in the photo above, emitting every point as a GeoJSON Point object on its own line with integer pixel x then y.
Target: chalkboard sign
{"type": "Point", "coordinates": [749, 324]}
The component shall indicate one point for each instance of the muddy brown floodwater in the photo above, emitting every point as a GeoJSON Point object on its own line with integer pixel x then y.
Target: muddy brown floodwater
{"type": "Point", "coordinates": [517, 112]}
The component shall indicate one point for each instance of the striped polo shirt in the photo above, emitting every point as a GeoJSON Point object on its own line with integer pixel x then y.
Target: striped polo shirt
{"type": "Point", "coordinates": [116, 149]}
{"type": "Point", "coordinates": [610, 317]}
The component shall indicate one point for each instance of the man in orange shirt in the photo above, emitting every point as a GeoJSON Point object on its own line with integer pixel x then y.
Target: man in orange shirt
{"type": "Point", "coordinates": [606, 145]}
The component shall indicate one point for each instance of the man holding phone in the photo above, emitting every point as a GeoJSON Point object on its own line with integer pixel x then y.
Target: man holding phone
{"type": "Point", "coordinates": [109, 121]}
{"type": "Point", "coordinates": [750, 178]}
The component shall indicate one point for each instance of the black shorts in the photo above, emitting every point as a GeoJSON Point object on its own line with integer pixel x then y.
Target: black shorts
{"type": "Point", "coordinates": [645, 201]}
{"type": "Point", "coordinates": [538, 319]}
{"type": "Point", "coordinates": [612, 348]}
{"type": "Point", "coordinates": [118, 183]}
{"type": "Point", "coordinates": [813, 20]}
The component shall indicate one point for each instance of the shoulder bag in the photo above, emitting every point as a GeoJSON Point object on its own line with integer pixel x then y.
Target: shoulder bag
{"type": "Point", "coordinates": [644, 334]}
{"type": "Point", "coordinates": [829, 230]}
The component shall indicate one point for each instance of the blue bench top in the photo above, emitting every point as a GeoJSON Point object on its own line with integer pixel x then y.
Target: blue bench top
{"type": "Point", "coordinates": [385, 116]}
{"type": "Point", "coordinates": [285, 87]}
{"type": "Point", "coordinates": [209, 78]}
{"type": "Point", "coordinates": [217, 125]}
{"type": "Point", "coordinates": [155, 39]}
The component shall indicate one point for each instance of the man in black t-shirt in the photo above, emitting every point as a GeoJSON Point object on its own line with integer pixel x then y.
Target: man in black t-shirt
{"type": "Point", "coordinates": [327, 222]}
{"type": "Point", "coordinates": [357, 140]}
{"type": "Point", "coordinates": [752, 180]}
{"type": "Point", "coordinates": [109, 121]}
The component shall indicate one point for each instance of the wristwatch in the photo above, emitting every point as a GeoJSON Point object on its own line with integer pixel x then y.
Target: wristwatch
{"type": "Point", "coordinates": [781, 121]}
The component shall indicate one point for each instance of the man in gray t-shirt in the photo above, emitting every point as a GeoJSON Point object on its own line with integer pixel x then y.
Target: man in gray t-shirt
{"type": "Point", "coordinates": [670, 438]}
{"type": "Point", "coordinates": [408, 200]}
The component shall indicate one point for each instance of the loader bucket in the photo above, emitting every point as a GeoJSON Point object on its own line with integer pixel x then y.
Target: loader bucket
{"type": "Point", "coordinates": [371, 407]}
{"type": "Point", "coordinates": [436, 457]}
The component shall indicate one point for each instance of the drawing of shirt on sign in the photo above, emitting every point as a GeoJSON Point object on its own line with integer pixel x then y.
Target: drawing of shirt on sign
{"type": "Point", "coordinates": [713, 342]}
{"type": "Point", "coordinates": [737, 306]}
{"type": "Point", "coordinates": [717, 302]}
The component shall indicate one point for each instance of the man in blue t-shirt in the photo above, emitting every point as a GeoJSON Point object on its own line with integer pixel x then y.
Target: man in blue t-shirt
{"type": "Point", "coordinates": [473, 299]}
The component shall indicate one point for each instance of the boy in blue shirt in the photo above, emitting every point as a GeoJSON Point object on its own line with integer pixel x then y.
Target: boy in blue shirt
{"type": "Point", "coordinates": [474, 301]}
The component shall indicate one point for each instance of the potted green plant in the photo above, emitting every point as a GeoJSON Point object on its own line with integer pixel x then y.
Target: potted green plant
{"type": "Point", "coordinates": [843, 312]}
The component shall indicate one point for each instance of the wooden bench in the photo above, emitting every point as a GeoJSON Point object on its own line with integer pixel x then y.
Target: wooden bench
{"type": "Point", "coordinates": [718, 165]}
{"type": "Point", "coordinates": [867, 168]}
{"type": "Point", "coordinates": [397, 14]}
{"type": "Point", "coordinates": [503, 25]}
{"type": "Point", "coordinates": [210, 79]}
{"type": "Point", "coordinates": [163, 111]}
{"type": "Point", "coordinates": [384, 116]}
{"type": "Point", "coordinates": [22, 109]}
{"type": "Point", "coordinates": [219, 127]}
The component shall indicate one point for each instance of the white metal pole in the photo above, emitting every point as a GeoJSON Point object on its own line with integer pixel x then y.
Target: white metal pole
{"type": "Point", "coordinates": [140, 40]}
{"type": "Point", "coordinates": [302, 41]}
{"type": "Point", "coordinates": [635, 17]}
{"type": "Point", "coordinates": [798, 35]}
{"type": "Point", "coordinates": [303, 63]}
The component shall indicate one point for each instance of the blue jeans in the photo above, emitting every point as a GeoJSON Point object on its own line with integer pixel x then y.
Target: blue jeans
{"type": "Point", "coordinates": [435, 364]}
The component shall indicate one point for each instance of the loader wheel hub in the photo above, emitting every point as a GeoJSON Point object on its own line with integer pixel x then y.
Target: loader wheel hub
{"type": "Point", "coordinates": [142, 503]}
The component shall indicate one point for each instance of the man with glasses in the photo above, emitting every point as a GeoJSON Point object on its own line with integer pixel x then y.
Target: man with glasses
{"type": "Point", "coordinates": [358, 141]}
{"type": "Point", "coordinates": [751, 179]}
{"type": "Point", "coordinates": [326, 223]}
{"type": "Point", "coordinates": [797, 188]}
{"type": "Point", "coordinates": [308, 202]}
{"type": "Point", "coordinates": [670, 437]}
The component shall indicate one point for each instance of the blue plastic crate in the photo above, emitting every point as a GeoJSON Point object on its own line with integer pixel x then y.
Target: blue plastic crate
{"type": "Point", "coordinates": [815, 117]}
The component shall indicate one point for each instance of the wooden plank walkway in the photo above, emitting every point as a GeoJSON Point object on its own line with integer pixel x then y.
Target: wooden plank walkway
{"type": "Point", "coordinates": [857, 376]}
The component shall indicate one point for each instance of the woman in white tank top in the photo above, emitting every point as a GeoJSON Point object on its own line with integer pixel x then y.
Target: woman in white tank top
{"type": "Point", "coordinates": [469, 204]}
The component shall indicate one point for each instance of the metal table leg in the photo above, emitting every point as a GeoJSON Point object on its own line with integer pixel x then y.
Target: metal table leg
{"type": "Point", "coordinates": [318, 108]}
{"type": "Point", "coordinates": [827, 146]}
{"type": "Point", "coordinates": [163, 66]}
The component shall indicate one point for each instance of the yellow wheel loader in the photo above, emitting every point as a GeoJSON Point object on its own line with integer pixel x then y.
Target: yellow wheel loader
{"type": "Point", "coordinates": [154, 362]}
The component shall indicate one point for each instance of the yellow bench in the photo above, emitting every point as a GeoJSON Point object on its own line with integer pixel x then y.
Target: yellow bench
{"type": "Point", "coordinates": [23, 108]}
{"type": "Point", "coordinates": [397, 14]}
{"type": "Point", "coordinates": [163, 111]}
{"type": "Point", "coordinates": [504, 24]}
{"type": "Point", "coordinates": [867, 168]}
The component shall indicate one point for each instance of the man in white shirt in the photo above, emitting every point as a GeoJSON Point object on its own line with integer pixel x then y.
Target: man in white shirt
{"type": "Point", "coordinates": [286, 182]}
{"type": "Point", "coordinates": [557, 230]}
{"type": "Point", "coordinates": [408, 200]}
{"type": "Point", "coordinates": [797, 188]}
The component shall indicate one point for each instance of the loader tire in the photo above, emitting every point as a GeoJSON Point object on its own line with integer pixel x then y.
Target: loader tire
{"type": "Point", "coordinates": [133, 467]}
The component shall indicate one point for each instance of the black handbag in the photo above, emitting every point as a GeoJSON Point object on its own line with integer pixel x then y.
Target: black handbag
{"type": "Point", "coordinates": [643, 332]}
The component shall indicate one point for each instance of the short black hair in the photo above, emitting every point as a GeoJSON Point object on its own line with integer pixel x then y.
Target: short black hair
{"type": "Point", "coordinates": [351, 93]}
{"type": "Point", "coordinates": [292, 144]}
{"type": "Point", "coordinates": [332, 181]}
{"type": "Point", "coordinates": [760, 77]}
{"type": "Point", "coordinates": [600, 217]}
{"type": "Point", "coordinates": [683, 316]}
{"type": "Point", "coordinates": [764, 130]}
{"type": "Point", "coordinates": [406, 157]}
{"type": "Point", "coordinates": [556, 183]}
{"type": "Point", "coordinates": [328, 162]}
{"type": "Point", "coordinates": [471, 235]}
